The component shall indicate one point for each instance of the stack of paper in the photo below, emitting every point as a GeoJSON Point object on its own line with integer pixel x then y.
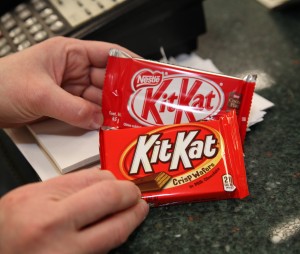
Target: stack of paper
{"type": "Point", "coordinates": [259, 103]}
{"type": "Point", "coordinates": [258, 107]}
{"type": "Point", "coordinates": [68, 147]}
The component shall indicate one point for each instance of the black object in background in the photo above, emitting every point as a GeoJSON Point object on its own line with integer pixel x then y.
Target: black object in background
{"type": "Point", "coordinates": [14, 168]}
{"type": "Point", "coordinates": [174, 25]}
{"type": "Point", "coordinates": [143, 26]}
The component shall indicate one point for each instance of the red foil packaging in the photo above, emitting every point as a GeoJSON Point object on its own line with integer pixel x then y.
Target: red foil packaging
{"type": "Point", "coordinates": [179, 163]}
{"type": "Point", "coordinates": [139, 92]}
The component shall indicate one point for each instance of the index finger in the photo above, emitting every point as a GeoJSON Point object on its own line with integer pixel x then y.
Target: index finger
{"type": "Point", "coordinates": [99, 201]}
{"type": "Point", "coordinates": [76, 181]}
{"type": "Point", "coordinates": [98, 52]}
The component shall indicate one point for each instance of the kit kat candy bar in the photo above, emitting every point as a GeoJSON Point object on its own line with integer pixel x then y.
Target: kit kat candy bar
{"type": "Point", "coordinates": [153, 182]}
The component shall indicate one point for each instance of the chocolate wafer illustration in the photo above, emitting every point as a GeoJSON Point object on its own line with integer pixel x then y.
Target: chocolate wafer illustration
{"type": "Point", "coordinates": [153, 182]}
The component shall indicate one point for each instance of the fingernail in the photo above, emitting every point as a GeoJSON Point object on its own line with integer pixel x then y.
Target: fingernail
{"type": "Point", "coordinates": [97, 121]}
{"type": "Point", "coordinates": [145, 206]}
{"type": "Point", "coordinates": [139, 191]}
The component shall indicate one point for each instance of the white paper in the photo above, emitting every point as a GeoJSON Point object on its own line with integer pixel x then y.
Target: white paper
{"type": "Point", "coordinates": [28, 146]}
{"type": "Point", "coordinates": [69, 147]}
{"type": "Point", "coordinates": [34, 154]}
{"type": "Point", "coordinates": [258, 107]}
{"type": "Point", "coordinates": [259, 103]}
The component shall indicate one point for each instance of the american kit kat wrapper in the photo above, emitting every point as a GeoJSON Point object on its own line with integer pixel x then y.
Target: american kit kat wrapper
{"type": "Point", "coordinates": [179, 163]}
{"type": "Point", "coordinates": [139, 92]}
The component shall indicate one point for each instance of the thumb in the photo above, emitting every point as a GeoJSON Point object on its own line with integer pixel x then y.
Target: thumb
{"type": "Point", "coordinates": [73, 109]}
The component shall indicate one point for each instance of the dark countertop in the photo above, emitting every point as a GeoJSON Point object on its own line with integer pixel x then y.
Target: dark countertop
{"type": "Point", "coordinates": [243, 37]}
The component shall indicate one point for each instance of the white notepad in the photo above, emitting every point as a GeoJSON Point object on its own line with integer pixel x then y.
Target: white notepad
{"type": "Point", "coordinates": [68, 147]}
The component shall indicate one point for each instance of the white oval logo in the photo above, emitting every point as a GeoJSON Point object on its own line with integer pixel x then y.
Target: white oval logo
{"type": "Point", "coordinates": [177, 99]}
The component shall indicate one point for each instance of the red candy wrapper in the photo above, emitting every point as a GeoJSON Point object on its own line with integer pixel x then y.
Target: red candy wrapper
{"type": "Point", "coordinates": [179, 163]}
{"type": "Point", "coordinates": [139, 92]}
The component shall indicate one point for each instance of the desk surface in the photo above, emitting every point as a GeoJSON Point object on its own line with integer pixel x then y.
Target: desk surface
{"type": "Point", "coordinates": [243, 37]}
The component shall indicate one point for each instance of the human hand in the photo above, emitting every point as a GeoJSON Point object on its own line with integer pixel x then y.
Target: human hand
{"type": "Point", "coordinates": [31, 82]}
{"type": "Point", "coordinates": [83, 212]}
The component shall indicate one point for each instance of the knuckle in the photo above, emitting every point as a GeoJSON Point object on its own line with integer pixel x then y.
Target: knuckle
{"type": "Point", "coordinates": [108, 173]}
{"type": "Point", "coordinates": [38, 230]}
{"type": "Point", "coordinates": [54, 41]}
{"type": "Point", "coordinates": [83, 112]}
{"type": "Point", "coordinates": [110, 192]}
{"type": "Point", "coordinates": [31, 235]}
{"type": "Point", "coordinates": [17, 196]}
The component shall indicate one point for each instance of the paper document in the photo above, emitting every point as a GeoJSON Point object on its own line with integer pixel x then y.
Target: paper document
{"type": "Point", "coordinates": [69, 147]}
{"type": "Point", "coordinates": [259, 104]}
